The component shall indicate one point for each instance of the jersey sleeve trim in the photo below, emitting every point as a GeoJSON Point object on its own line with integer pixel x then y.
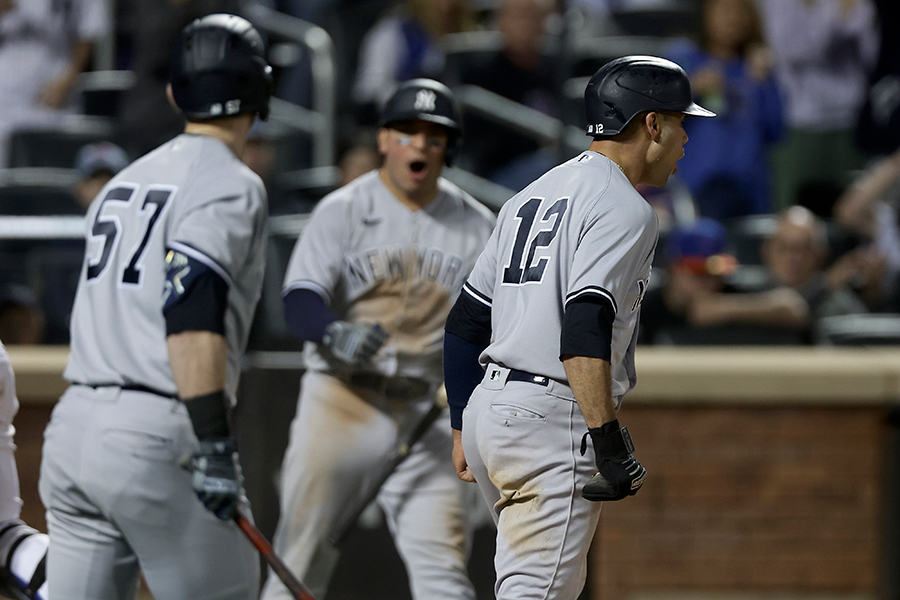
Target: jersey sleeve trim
{"type": "Point", "coordinates": [477, 295]}
{"type": "Point", "coordinates": [202, 258]}
{"type": "Point", "coordinates": [595, 291]}
{"type": "Point", "coordinates": [307, 285]}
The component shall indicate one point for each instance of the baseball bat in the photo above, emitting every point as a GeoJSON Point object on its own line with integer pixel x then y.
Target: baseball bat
{"type": "Point", "coordinates": [393, 459]}
{"type": "Point", "coordinates": [259, 541]}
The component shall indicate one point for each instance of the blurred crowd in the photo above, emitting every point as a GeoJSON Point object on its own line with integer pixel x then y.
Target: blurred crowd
{"type": "Point", "coordinates": [781, 220]}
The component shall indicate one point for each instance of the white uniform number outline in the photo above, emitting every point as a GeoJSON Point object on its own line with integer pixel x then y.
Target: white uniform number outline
{"type": "Point", "coordinates": [519, 271]}
{"type": "Point", "coordinates": [109, 227]}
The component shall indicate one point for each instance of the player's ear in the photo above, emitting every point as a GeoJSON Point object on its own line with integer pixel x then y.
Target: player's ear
{"type": "Point", "coordinates": [653, 122]}
{"type": "Point", "coordinates": [383, 140]}
{"type": "Point", "coordinates": [171, 97]}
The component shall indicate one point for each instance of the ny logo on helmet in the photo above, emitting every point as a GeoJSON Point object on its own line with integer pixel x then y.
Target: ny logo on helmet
{"type": "Point", "coordinates": [425, 100]}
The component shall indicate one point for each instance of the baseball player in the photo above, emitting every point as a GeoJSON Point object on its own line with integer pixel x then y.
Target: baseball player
{"type": "Point", "coordinates": [369, 286]}
{"type": "Point", "coordinates": [550, 311]}
{"type": "Point", "coordinates": [22, 549]}
{"type": "Point", "coordinates": [172, 273]}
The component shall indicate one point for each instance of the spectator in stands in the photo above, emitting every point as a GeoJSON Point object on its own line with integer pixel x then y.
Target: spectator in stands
{"type": "Point", "coordinates": [795, 255]}
{"type": "Point", "coordinates": [21, 316]}
{"type": "Point", "coordinates": [878, 129]}
{"type": "Point", "coordinates": [696, 304]}
{"type": "Point", "coordinates": [869, 209]}
{"type": "Point", "coordinates": [95, 165]}
{"type": "Point", "coordinates": [404, 44]}
{"type": "Point", "coordinates": [520, 72]}
{"type": "Point", "coordinates": [731, 71]}
{"type": "Point", "coordinates": [45, 47]}
{"type": "Point", "coordinates": [823, 52]}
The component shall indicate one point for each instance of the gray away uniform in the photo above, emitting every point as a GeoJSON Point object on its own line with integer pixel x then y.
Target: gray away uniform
{"type": "Point", "coordinates": [374, 260]}
{"type": "Point", "coordinates": [117, 499]}
{"type": "Point", "coordinates": [580, 230]}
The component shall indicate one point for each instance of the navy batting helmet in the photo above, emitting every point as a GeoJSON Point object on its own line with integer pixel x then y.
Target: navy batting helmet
{"type": "Point", "coordinates": [626, 86]}
{"type": "Point", "coordinates": [219, 69]}
{"type": "Point", "coordinates": [425, 100]}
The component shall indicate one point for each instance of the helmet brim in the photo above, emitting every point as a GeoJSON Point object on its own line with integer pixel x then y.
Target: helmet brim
{"type": "Point", "coordinates": [431, 118]}
{"type": "Point", "coordinates": [695, 110]}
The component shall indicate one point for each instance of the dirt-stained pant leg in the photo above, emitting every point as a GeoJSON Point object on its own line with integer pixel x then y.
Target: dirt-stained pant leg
{"type": "Point", "coordinates": [336, 441]}
{"type": "Point", "coordinates": [424, 502]}
{"type": "Point", "coordinates": [523, 446]}
{"type": "Point", "coordinates": [117, 499]}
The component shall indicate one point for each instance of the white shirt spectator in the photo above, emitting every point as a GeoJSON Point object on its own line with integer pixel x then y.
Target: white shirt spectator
{"type": "Point", "coordinates": [39, 46]}
{"type": "Point", "coordinates": [823, 52]}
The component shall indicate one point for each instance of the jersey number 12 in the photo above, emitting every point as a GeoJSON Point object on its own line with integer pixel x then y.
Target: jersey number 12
{"type": "Point", "coordinates": [519, 271]}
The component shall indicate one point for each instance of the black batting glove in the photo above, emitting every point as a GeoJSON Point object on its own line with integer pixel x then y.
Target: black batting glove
{"type": "Point", "coordinates": [354, 343]}
{"type": "Point", "coordinates": [216, 476]}
{"type": "Point", "coordinates": [619, 474]}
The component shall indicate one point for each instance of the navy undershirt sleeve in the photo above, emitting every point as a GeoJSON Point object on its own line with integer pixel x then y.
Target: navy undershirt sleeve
{"type": "Point", "coordinates": [196, 299]}
{"type": "Point", "coordinates": [467, 333]}
{"type": "Point", "coordinates": [587, 329]}
{"type": "Point", "coordinates": [470, 320]}
{"type": "Point", "coordinates": [462, 372]}
{"type": "Point", "coordinates": [307, 314]}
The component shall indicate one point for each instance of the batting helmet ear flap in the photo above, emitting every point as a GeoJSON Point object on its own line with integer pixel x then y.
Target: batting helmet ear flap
{"type": "Point", "coordinates": [453, 143]}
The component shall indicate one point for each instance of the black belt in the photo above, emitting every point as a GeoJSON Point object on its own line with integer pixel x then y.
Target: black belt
{"type": "Point", "coordinates": [131, 387]}
{"type": "Point", "coordinates": [404, 388]}
{"type": "Point", "coordinates": [516, 375]}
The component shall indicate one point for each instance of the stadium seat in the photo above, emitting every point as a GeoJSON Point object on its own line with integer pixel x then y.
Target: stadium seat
{"type": "Point", "coordinates": [37, 199]}
{"type": "Point", "coordinates": [56, 147]}
{"type": "Point", "coordinates": [874, 329]}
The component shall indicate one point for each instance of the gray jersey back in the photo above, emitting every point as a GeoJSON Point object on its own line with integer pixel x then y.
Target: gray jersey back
{"type": "Point", "coordinates": [192, 195]}
{"type": "Point", "coordinates": [579, 230]}
{"type": "Point", "coordinates": [374, 260]}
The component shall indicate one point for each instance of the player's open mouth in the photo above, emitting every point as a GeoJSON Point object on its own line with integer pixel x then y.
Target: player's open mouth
{"type": "Point", "coordinates": [418, 169]}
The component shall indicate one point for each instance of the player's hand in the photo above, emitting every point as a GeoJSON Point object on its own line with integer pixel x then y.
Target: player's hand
{"type": "Point", "coordinates": [354, 343]}
{"type": "Point", "coordinates": [459, 458]}
{"type": "Point", "coordinates": [216, 476]}
{"type": "Point", "coordinates": [619, 474]}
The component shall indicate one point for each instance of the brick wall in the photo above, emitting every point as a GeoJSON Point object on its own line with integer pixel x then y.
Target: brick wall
{"type": "Point", "coordinates": [751, 499]}
{"type": "Point", "coordinates": [739, 499]}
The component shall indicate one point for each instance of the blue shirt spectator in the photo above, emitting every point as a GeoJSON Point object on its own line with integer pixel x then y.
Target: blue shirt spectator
{"type": "Point", "coordinates": [730, 71]}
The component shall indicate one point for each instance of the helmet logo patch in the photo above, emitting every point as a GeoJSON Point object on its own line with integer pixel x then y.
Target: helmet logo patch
{"type": "Point", "coordinates": [425, 101]}
{"type": "Point", "coordinates": [215, 109]}
{"type": "Point", "coordinates": [232, 107]}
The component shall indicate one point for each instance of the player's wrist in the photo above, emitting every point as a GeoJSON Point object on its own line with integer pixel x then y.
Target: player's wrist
{"type": "Point", "coordinates": [209, 415]}
{"type": "Point", "coordinates": [610, 440]}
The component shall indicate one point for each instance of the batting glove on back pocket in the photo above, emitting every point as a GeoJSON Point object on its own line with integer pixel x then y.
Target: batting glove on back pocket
{"type": "Point", "coordinates": [619, 474]}
{"type": "Point", "coordinates": [354, 343]}
{"type": "Point", "coordinates": [216, 476]}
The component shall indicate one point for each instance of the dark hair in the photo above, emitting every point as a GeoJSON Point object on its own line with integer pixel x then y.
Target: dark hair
{"type": "Point", "coordinates": [754, 34]}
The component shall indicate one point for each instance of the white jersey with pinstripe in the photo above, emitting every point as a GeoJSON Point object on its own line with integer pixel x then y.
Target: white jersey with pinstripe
{"type": "Point", "coordinates": [191, 195]}
{"type": "Point", "coordinates": [581, 230]}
